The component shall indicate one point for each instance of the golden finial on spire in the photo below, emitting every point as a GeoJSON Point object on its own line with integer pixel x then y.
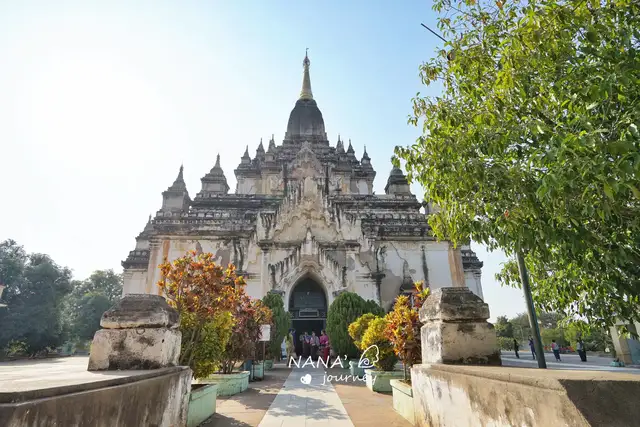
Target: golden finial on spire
{"type": "Point", "coordinates": [306, 80]}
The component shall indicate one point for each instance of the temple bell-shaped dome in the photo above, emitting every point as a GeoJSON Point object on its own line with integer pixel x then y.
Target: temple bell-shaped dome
{"type": "Point", "coordinates": [305, 118]}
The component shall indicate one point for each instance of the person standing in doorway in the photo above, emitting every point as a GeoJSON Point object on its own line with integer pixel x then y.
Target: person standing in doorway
{"type": "Point", "coordinates": [581, 350]}
{"type": "Point", "coordinates": [306, 345]}
{"type": "Point", "coordinates": [308, 341]}
{"type": "Point", "coordinates": [516, 347]}
{"type": "Point", "coordinates": [532, 347]}
{"type": "Point", "coordinates": [315, 343]}
{"type": "Point", "coordinates": [324, 346]}
{"type": "Point", "coordinates": [556, 350]}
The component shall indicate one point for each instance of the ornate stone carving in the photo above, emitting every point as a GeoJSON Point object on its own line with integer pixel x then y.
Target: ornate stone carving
{"type": "Point", "coordinates": [275, 184]}
{"type": "Point", "coordinates": [306, 164]}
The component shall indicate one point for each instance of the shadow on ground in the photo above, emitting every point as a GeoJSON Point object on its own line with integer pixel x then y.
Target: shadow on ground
{"type": "Point", "coordinates": [365, 407]}
{"type": "Point", "coordinates": [315, 409]}
{"type": "Point", "coordinates": [223, 420]}
{"type": "Point", "coordinates": [248, 408]}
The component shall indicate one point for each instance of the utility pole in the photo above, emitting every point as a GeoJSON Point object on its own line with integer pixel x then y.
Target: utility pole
{"type": "Point", "coordinates": [2, 289]}
{"type": "Point", "coordinates": [531, 311]}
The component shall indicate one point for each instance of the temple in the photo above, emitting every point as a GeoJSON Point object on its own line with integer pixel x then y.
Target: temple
{"type": "Point", "coordinates": [304, 222]}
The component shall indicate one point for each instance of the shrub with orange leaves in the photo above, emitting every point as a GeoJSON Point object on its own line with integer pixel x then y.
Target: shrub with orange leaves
{"type": "Point", "coordinates": [194, 283]}
{"type": "Point", "coordinates": [207, 297]}
{"type": "Point", "coordinates": [249, 315]}
{"type": "Point", "coordinates": [403, 327]}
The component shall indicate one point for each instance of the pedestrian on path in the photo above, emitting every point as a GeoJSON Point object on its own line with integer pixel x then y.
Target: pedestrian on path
{"type": "Point", "coordinates": [532, 347]}
{"type": "Point", "coordinates": [516, 347]}
{"type": "Point", "coordinates": [556, 350]}
{"type": "Point", "coordinates": [581, 350]}
{"type": "Point", "coordinates": [289, 345]}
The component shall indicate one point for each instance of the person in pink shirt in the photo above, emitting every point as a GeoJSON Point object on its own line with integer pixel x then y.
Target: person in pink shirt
{"type": "Point", "coordinates": [324, 346]}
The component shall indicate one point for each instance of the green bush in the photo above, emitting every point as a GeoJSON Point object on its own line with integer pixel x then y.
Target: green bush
{"type": "Point", "coordinates": [344, 310]}
{"type": "Point", "coordinates": [281, 323]}
{"type": "Point", "coordinates": [359, 327]}
{"type": "Point", "coordinates": [506, 343]}
{"type": "Point", "coordinates": [17, 348]}
{"type": "Point", "coordinates": [208, 343]}
{"type": "Point", "coordinates": [376, 335]}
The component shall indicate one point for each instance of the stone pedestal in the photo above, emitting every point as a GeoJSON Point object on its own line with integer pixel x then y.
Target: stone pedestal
{"type": "Point", "coordinates": [456, 330]}
{"type": "Point", "coordinates": [139, 332]}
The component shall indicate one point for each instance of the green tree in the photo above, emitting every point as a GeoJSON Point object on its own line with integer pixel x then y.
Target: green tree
{"type": "Point", "coordinates": [553, 334]}
{"type": "Point", "coordinates": [86, 320]}
{"type": "Point", "coordinates": [534, 146]}
{"type": "Point", "coordinates": [105, 282]}
{"type": "Point", "coordinates": [281, 322]}
{"type": "Point", "coordinates": [595, 339]}
{"type": "Point", "coordinates": [344, 310]}
{"type": "Point", "coordinates": [36, 288]}
{"type": "Point", "coordinates": [504, 328]}
{"type": "Point", "coordinates": [82, 309]}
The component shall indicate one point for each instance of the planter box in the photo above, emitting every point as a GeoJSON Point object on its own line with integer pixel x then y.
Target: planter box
{"type": "Point", "coordinates": [355, 370]}
{"type": "Point", "coordinates": [228, 384]}
{"type": "Point", "coordinates": [202, 404]}
{"type": "Point", "coordinates": [403, 400]}
{"type": "Point", "coordinates": [379, 381]}
{"type": "Point", "coordinates": [257, 371]}
{"type": "Point", "coordinates": [268, 365]}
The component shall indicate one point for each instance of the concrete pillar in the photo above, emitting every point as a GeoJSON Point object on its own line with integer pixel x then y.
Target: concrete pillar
{"type": "Point", "coordinates": [627, 349]}
{"type": "Point", "coordinates": [139, 332]}
{"type": "Point", "coordinates": [455, 329]}
{"type": "Point", "coordinates": [155, 259]}
{"type": "Point", "coordinates": [265, 274]}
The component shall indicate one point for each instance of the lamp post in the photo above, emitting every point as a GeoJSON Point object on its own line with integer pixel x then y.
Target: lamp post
{"type": "Point", "coordinates": [531, 311]}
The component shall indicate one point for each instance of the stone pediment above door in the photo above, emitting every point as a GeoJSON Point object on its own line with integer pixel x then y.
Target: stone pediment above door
{"type": "Point", "coordinates": [297, 226]}
{"type": "Point", "coordinates": [306, 165]}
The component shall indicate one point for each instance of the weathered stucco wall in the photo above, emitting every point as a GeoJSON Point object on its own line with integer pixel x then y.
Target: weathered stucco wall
{"type": "Point", "coordinates": [306, 242]}
{"type": "Point", "coordinates": [159, 398]}
{"type": "Point", "coordinates": [310, 234]}
{"type": "Point", "coordinates": [470, 396]}
{"type": "Point", "coordinates": [399, 260]}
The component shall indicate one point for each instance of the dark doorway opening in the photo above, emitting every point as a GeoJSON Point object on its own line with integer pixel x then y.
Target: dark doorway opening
{"type": "Point", "coordinates": [308, 308]}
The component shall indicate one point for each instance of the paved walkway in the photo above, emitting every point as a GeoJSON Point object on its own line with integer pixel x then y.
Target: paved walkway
{"type": "Point", "coordinates": [366, 408]}
{"type": "Point", "coordinates": [37, 374]}
{"type": "Point", "coordinates": [569, 361]}
{"type": "Point", "coordinates": [247, 409]}
{"type": "Point", "coordinates": [304, 401]}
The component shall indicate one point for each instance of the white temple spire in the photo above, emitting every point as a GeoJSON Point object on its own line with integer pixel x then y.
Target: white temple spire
{"type": "Point", "coordinates": [306, 93]}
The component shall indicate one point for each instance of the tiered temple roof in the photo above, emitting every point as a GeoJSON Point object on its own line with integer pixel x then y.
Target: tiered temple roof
{"type": "Point", "coordinates": [217, 212]}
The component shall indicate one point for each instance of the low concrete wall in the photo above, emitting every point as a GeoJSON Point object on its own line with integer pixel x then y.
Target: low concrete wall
{"type": "Point", "coordinates": [202, 404]}
{"type": "Point", "coordinates": [228, 384]}
{"type": "Point", "coordinates": [158, 398]}
{"type": "Point", "coordinates": [403, 400]}
{"type": "Point", "coordinates": [379, 381]}
{"type": "Point", "coordinates": [455, 395]}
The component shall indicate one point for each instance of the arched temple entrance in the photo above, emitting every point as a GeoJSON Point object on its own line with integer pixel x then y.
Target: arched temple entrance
{"type": "Point", "coordinates": [308, 308]}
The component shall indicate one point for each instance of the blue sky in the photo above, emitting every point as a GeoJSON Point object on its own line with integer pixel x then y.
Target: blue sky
{"type": "Point", "coordinates": [100, 103]}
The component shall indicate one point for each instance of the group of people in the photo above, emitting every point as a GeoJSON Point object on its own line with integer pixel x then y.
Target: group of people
{"type": "Point", "coordinates": [313, 346]}
{"type": "Point", "coordinates": [555, 348]}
